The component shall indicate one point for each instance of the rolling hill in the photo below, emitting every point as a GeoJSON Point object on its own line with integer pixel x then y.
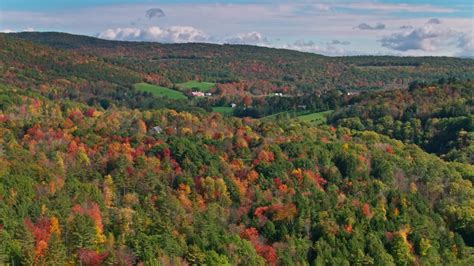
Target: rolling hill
{"type": "Point", "coordinates": [226, 63]}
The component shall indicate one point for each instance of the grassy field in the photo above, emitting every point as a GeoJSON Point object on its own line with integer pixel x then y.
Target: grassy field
{"type": "Point", "coordinates": [225, 110]}
{"type": "Point", "coordinates": [160, 91]}
{"type": "Point", "coordinates": [317, 118]}
{"type": "Point", "coordinates": [201, 86]}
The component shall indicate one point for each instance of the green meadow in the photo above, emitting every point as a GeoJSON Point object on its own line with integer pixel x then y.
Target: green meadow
{"type": "Point", "coordinates": [160, 91]}
{"type": "Point", "coordinates": [225, 110]}
{"type": "Point", "coordinates": [201, 86]}
{"type": "Point", "coordinates": [316, 118]}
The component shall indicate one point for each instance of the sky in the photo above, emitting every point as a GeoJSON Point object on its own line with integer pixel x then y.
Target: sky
{"type": "Point", "coordinates": [334, 28]}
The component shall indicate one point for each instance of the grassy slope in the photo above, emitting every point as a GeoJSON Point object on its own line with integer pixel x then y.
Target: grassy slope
{"type": "Point", "coordinates": [201, 86]}
{"type": "Point", "coordinates": [225, 110]}
{"type": "Point", "coordinates": [160, 91]}
{"type": "Point", "coordinates": [317, 118]}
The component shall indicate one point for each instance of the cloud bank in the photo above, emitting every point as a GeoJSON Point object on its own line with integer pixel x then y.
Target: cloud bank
{"type": "Point", "coordinates": [426, 38]}
{"type": "Point", "coordinates": [431, 38]}
{"type": "Point", "coordinates": [330, 49]}
{"type": "Point", "coordinates": [175, 34]}
{"type": "Point", "coordinates": [466, 44]}
{"type": "Point", "coordinates": [179, 34]}
{"type": "Point", "coordinates": [254, 38]}
{"type": "Point", "coordinates": [187, 34]}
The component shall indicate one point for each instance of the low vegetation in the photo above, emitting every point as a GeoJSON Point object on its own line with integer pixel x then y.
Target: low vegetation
{"type": "Point", "coordinates": [316, 118]}
{"type": "Point", "coordinates": [223, 110]}
{"type": "Point", "coordinates": [196, 85]}
{"type": "Point", "coordinates": [159, 91]}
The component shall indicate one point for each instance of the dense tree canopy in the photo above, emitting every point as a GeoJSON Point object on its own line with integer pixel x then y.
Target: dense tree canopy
{"type": "Point", "coordinates": [92, 186]}
{"type": "Point", "coordinates": [438, 117]}
{"type": "Point", "coordinates": [95, 172]}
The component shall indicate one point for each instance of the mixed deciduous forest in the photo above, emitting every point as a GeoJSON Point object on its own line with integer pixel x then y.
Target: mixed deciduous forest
{"type": "Point", "coordinates": [313, 160]}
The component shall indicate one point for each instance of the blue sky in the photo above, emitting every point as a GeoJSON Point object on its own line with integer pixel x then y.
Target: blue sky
{"type": "Point", "coordinates": [338, 27]}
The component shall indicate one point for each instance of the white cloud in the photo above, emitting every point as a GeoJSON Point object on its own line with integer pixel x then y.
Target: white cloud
{"type": "Point", "coordinates": [248, 38]}
{"type": "Point", "coordinates": [312, 47]}
{"type": "Point", "coordinates": [426, 38]}
{"type": "Point", "coordinates": [11, 31]}
{"type": "Point", "coordinates": [466, 44]}
{"type": "Point", "coordinates": [180, 34]}
{"type": "Point", "coordinates": [174, 34]}
{"type": "Point", "coordinates": [431, 38]}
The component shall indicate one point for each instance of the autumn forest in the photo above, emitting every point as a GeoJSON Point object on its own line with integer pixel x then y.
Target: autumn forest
{"type": "Point", "coordinates": [139, 153]}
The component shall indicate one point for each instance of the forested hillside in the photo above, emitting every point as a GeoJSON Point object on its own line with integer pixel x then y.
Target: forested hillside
{"type": "Point", "coordinates": [302, 72]}
{"type": "Point", "coordinates": [248, 76]}
{"type": "Point", "coordinates": [88, 185]}
{"type": "Point", "coordinates": [60, 74]}
{"type": "Point", "coordinates": [99, 165]}
{"type": "Point", "coordinates": [438, 117]}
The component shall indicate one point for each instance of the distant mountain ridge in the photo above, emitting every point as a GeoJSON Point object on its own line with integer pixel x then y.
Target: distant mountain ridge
{"type": "Point", "coordinates": [229, 63]}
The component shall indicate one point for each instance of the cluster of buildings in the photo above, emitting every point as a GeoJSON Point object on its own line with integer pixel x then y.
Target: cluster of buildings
{"type": "Point", "coordinates": [200, 94]}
